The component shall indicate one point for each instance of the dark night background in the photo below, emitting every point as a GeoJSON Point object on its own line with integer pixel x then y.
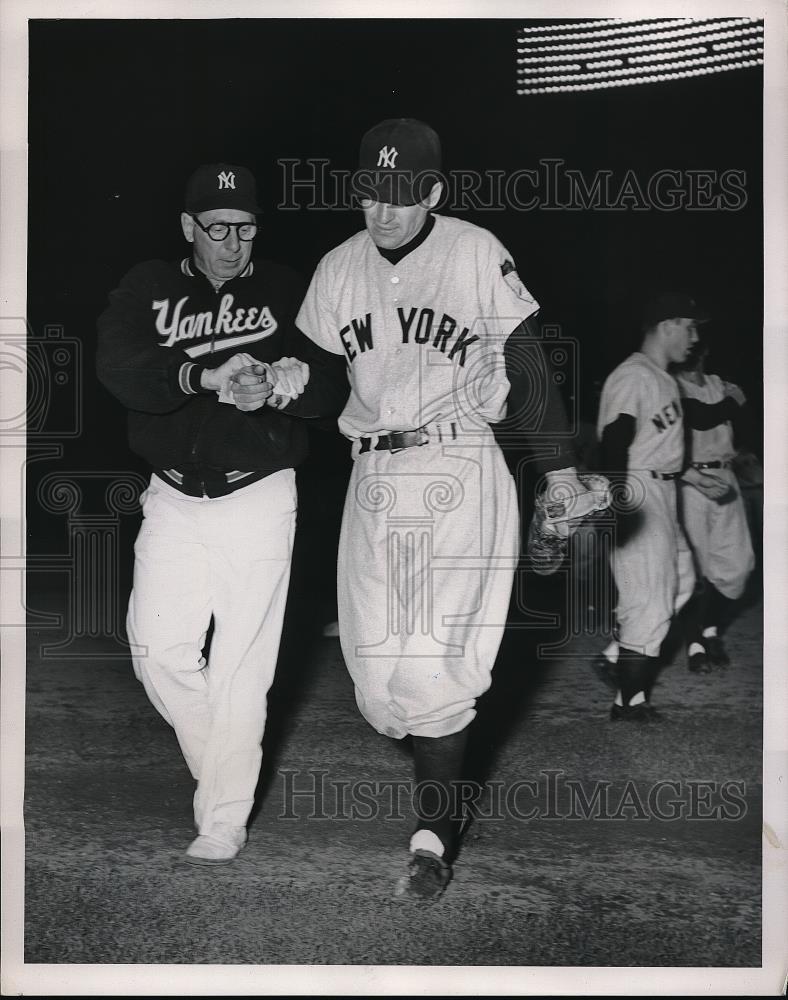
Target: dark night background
{"type": "Point", "coordinates": [122, 111]}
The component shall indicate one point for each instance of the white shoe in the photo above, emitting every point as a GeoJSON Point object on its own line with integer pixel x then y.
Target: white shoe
{"type": "Point", "coordinates": [219, 847]}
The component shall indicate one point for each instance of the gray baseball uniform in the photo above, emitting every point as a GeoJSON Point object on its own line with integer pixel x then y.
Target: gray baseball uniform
{"type": "Point", "coordinates": [652, 564]}
{"type": "Point", "coordinates": [429, 539]}
{"type": "Point", "coordinates": [717, 530]}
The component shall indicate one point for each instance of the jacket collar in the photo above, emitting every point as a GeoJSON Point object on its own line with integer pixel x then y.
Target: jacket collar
{"type": "Point", "coordinates": [189, 268]}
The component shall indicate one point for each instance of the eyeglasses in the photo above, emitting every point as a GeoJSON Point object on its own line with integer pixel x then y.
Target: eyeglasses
{"type": "Point", "coordinates": [218, 231]}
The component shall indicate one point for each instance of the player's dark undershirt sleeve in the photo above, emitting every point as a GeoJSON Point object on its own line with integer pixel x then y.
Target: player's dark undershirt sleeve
{"type": "Point", "coordinates": [616, 440]}
{"type": "Point", "coordinates": [702, 416]}
{"type": "Point", "coordinates": [527, 367]}
{"type": "Point", "coordinates": [328, 388]}
{"type": "Point", "coordinates": [744, 428]}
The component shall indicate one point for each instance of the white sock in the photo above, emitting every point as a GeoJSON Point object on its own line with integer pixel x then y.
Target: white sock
{"type": "Point", "coordinates": [426, 840]}
{"type": "Point", "coordinates": [696, 647]}
{"type": "Point", "coordinates": [611, 653]}
{"type": "Point", "coordinates": [637, 699]}
{"type": "Point", "coordinates": [710, 632]}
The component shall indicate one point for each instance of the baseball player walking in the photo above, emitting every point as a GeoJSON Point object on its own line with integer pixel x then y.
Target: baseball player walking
{"type": "Point", "coordinates": [641, 428]}
{"type": "Point", "coordinates": [421, 307]}
{"type": "Point", "coordinates": [219, 513]}
{"type": "Point", "coordinates": [717, 529]}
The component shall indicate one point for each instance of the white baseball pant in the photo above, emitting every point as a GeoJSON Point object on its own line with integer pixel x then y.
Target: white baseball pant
{"type": "Point", "coordinates": [427, 556]}
{"type": "Point", "coordinates": [719, 536]}
{"type": "Point", "coordinates": [228, 557]}
{"type": "Point", "coordinates": [653, 567]}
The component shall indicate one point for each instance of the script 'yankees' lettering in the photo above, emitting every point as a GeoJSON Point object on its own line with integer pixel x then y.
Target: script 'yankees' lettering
{"type": "Point", "coordinates": [241, 325]}
{"type": "Point", "coordinates": [418, 326]}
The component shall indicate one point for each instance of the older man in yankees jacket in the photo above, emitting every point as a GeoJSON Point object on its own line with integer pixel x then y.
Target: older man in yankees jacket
{"type": "Point", "coordinates": [219, 513]}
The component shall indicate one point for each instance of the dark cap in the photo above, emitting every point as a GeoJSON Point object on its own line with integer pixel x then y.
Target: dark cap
{"type": "Point", "coordinates": [221, 185]}
{"type": "Point", "coordinates": [399, 162]}
{"type": "Point", "coordinates": [672, 305]}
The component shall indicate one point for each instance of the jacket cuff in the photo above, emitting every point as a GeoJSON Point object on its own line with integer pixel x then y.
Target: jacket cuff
{"type": "Point", "coordinates": [189, 375]}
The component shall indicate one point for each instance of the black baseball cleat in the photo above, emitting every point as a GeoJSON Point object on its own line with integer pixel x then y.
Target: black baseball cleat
{"type": "Point", "coordinates": [698, 663]}
{"type": "Point", "coordinates": [716, 652]}
{"type": "Point", "coordinates": [606, 671]}
{"type": "Point", "coordinates": [635, 713]}
{"type": "Point", "coordinates": [426, 878]}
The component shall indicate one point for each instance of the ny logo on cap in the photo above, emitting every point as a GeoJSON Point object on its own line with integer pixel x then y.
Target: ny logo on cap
{"type": "Point", "coordinates": [226, 180]}
{"type": "Point", "coordinates": [387, 156]}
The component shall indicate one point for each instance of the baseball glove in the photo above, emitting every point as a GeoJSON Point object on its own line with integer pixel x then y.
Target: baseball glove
{"type": "Point", "coordinates": [748, 469]}
{"type": "Point", "coordinates": [565, 505]}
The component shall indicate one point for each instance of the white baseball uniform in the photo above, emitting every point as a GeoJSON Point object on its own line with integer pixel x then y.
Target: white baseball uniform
{"type": "Point", "coordinates": [717, 530]}
{"type": "Point", "coordinates": [429, 540]}
{"type": "Point", "coordinates": [652, 563]}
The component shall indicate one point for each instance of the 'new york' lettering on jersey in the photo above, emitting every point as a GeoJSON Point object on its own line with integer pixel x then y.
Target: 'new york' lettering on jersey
{"type": "Point", "coordinates": [646, 392]}
{"type": "Point", "coordinates": [424, 337]}
{"type": "Point", "coordinates": [357, 336]}
{"type": "Point", "coordinates": [236, 326]}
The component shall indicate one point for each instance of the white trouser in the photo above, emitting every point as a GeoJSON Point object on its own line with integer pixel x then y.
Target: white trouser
{"type": "Point", "coordinates": [228, 557]}
{"type": "Point", "coordinates": [719, 536]}
{"type": "Point", "coordinates": [652, 567]}
{"type": "Point", "coordinates": [427, 556]}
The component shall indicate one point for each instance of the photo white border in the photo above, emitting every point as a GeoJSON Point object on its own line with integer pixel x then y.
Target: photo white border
{"type": "Point", "coordinates": [131, 980]}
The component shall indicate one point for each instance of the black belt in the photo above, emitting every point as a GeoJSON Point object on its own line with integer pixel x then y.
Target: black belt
{"type": "Point", "coordinates": [664, 475]}
{"type": "Point", "coordinates": [397, 440]}
{"type": "Point", "coordinates": [711, 465]}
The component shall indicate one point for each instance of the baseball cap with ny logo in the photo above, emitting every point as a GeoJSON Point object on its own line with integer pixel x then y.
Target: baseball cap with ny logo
{"type": "Point", "coordinates": [399, 161]}
{"type": "Point", "coordinates": [221, 185]}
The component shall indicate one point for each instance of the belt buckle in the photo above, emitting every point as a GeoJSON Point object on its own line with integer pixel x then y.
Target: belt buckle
{"type": "Point", "coordinates": [392, 435]}
{"type": "Point", "coordinates": [423, 438]}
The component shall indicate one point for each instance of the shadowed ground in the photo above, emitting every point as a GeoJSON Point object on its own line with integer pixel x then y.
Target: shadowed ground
{"type": "Point", "coordinates": [108, 815]}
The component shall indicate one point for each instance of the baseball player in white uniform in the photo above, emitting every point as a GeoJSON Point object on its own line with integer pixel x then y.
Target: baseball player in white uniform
{"type": "Point", "coordinates": [717, 529]}
{"type": "Point", "coordinates": [422, 307]}
{"type": "Point", "coordinates": [641, 428]}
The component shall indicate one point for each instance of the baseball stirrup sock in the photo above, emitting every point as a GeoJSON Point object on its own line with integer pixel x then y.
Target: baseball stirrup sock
{"type": "Point", "coordinates": [696, 612]}
{"type": "Point", "coordinates": [720, 609]}
{"type": "Point", "coordinates": [438, 764]}
{"type": "Point", "coordinates": [651, 670]}
{"type": "Point", "coordinates": [636, 676]}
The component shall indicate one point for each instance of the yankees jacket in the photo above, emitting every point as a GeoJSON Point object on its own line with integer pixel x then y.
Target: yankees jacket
{"type": "Point", "coordinates": [164, 324]}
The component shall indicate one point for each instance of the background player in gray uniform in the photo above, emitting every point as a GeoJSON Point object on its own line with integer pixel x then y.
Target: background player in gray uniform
{"type": "Point", "coordinates": [641, 428]}
{"type": "Point", "coordinates": [219, 514]}
{"type": "Point", "coordinates": [717, 529]}
{"type": "Point", "coordinates": [422, 307]}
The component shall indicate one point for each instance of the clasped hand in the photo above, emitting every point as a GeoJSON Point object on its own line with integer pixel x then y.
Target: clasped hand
{"type": "Point", "coordinates": [250, 384]}
{"type": "Point", "coordinates": [275, 385]}
{"type": "Point", "coordinates": [712, 486]}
